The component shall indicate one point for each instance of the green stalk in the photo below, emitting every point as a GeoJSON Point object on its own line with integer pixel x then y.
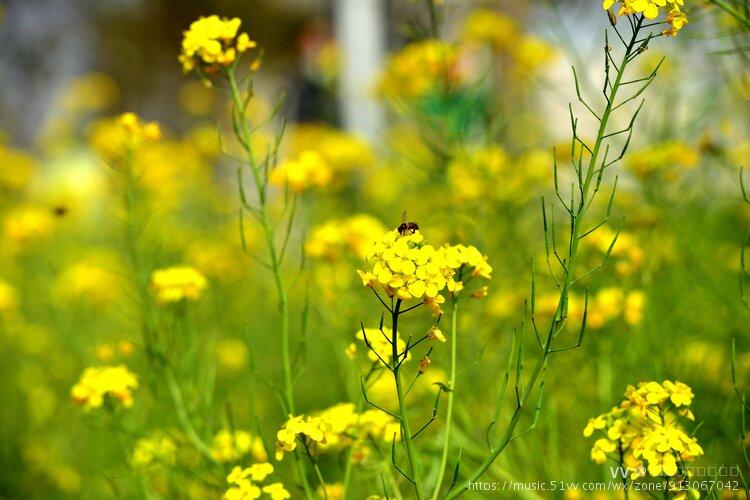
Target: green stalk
{"type": "Point", "coordinates": [722, 4]}
{"type": "Point", "coordinates": [265, 222]}
{"type": "Point", "coordinates": [411, 453]}
{"type": "Point", "coordinates": [557, 324]}
{"type": "Point", "coordinates": [449, 410]}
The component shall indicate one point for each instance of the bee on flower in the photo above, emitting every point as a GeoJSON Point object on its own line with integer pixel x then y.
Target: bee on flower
{"type": "Point", "coordinates": [404, 266]}
{"type": "Point", "coordinates": [177, 284]}
{"type": "Point", "coordinates": [100, 383]}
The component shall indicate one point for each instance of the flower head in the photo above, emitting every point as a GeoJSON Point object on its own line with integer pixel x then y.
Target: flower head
{"type": "Point", "coordinates": [212, 43]}
{"type": "Point", "coordinates": [650, 9]}
{"type": "Point", "coordinates": [99, 382]}
{"type": "Point", "coordinates": [175, 284]}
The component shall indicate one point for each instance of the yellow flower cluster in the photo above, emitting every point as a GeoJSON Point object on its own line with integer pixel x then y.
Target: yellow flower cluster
{"type": "Point", "coordinates": [247, 483]}
{"type": "Point", "coordinates": [459, 255]}
{"type": "Point", "coordinates": [309, 169]}
{"type": "Point", "coordinates": [212, 42]}
{"type": "Point", "coordinates": [98, 382]}
{"type": "Point", "coordinates": [230, 446]}
{"type": "Point", "coordinates": [404, 266]}
{"type": "Point", "coordinates": [352, 236]}
{"type": "Point", "coordinates": [666, 158]}
{"type": "Point", "coordinates": [419, 69]}
{"type": "Point", "coordinates": [651, 10]}
{"type": "Point", "coordinates": [346, 428]}
{"type": "Point", "coordinates": [312, 430]}
{"type": "Point", "coordinates": [156, 449]}
{"type": "Point", "coordinates": [175, 284]}
{"type": "Point", "coordinates": [645, 429]}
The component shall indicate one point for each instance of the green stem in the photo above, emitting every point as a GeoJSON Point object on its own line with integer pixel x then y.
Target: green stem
{"type": "Point", "coordinates": [244, 136]}
{"type": "Point", "coordinates": [265, 222]}
{"type": "Point", "coordinates": [558, 321]}
{"type": "Point", "coordinates": [449, 411]}
{"type": "Point", "coordinates": [732, 12]}
{"type": "Point", "coordinates": [411, 453]}
{"type": "Point", "coordinates": [182, 415]}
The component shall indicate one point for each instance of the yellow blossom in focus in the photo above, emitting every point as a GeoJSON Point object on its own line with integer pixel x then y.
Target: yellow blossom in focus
{"type": "Point", "coordinates": [277, 491]}
{"type": "Point", "coordinates": [175, 284]}
{"type": "Point", "coordinates": [98, 382]}
{"type": "Point", "coordinates": [211, 43]}
{"type": "Point", "coordinates": [643, 432]}
{"type": "Point", "coordinates": [651, 10]}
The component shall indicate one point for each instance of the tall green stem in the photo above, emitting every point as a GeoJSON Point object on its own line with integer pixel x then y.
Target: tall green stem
{"type": "Point", "coordinates": [244, 136]}
{"type": "Point", "coordinates": [451, 393]}
{"type": "Point", "coordinates": [403, 414]}
{"type": "Point", "coordinates": [559, 319]}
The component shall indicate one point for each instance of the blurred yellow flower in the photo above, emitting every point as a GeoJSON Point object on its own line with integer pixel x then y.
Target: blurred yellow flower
{"type": "Point", "coordinates": [158, 448]}
{"type": "Point", "coordinates": [352, 236]}
{"type": "Point", "coordinates": [495, 29]}
{"type": "Point", "coordinates": [28, 224]}
{"type": "Point", "coordinates": [175, 284]}
{"type": "Point", "coordinates": [232, 355]}
{"type": "Point", "coordinates": [98, 382]}
{"type": "Point", "coordinates": [230, 447]}
{"type": "Point", "coordinates": [420, 69]}
{"type": "Point", "coordinates": [87, 281]}
{"type": "Point", "coordinates": [307, 170]}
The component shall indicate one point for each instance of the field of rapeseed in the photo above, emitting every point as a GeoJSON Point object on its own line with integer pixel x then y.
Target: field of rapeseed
{"type": "Point", "coordinates": [532, 282]}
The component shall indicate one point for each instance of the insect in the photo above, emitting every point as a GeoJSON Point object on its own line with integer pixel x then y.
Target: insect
{"type": "Point", "coordinates": [407, 227]}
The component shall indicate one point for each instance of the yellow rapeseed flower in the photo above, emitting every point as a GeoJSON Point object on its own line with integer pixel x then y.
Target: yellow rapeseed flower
{"type": "Point", "coordinates": [98, 382]}
{"type": "Point", "coordinates": [212, 42]}
{"type": "Point", "coordinates": [175, 284]}
{"type": "Point", "coordinates": [651, 9]}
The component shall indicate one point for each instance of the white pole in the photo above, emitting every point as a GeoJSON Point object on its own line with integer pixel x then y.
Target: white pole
{"type": "Point", "coordinates": [361, 33]}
